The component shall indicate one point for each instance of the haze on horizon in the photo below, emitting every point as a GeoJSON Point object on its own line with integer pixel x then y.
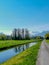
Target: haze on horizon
{"type": "Point", "coordinates": [31, 14]}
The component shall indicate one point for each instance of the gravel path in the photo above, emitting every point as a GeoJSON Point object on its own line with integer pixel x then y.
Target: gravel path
{"type": "Point", "coordinates": [43, 55]}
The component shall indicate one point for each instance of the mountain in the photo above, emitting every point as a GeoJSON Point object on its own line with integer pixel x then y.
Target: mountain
{"type": "Point", "coordinates": [42, 33]}
{"type": "Point", "coordinates": [1, 33]}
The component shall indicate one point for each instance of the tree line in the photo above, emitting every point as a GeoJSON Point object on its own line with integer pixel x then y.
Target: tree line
{"type": "Point", "coordinates": [17, 34]}
{"type": "Point", "coordinates": [21, 34]}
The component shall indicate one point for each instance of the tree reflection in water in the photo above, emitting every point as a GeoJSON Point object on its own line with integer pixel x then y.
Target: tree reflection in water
{"type": "Point", "coordinates": [21, 48]}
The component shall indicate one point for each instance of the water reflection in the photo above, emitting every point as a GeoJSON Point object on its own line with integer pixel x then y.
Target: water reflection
{"type": "Point", "coordinates": [21, 48]}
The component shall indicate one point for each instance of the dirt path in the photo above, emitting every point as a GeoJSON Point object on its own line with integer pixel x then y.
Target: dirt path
{"type": "Point", "coordinates": [43, 56]}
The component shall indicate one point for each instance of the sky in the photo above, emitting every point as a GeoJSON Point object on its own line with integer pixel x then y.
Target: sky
{"type": "Point", "coordinates": [31, 14]}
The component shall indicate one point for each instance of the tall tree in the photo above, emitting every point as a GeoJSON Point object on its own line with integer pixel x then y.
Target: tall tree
{"type": "Point", "coordinates": [23, 33]}
{"type": "Point", "coordinates": [14, 34]}
{"type": "Point", "coordinates": [27, 36]}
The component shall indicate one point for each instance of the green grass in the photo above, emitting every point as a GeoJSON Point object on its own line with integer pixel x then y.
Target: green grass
{"type": "Point", "coordinates": [47, 41]}
{"type": "Point", "coordinates": [11, 43]}
{"type": "Point", "coordinates": [28, 57]}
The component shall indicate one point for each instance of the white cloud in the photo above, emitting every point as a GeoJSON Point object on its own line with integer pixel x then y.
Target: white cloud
{"type": "Point", "coordinates": [40, 28]}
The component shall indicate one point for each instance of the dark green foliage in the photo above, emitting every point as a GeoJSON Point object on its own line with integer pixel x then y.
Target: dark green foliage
{"type": "Point", "coordinates": [2, 37]}
{"type": "Point", "coordinates": [38, 37]}
{"type": "Point", "coordinates": [47, 36]}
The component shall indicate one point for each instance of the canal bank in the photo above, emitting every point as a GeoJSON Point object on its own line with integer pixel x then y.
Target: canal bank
{"type": "Point", "coordinates": [28, 57]}
{"type": "Point", "coordinates": [6, 44]}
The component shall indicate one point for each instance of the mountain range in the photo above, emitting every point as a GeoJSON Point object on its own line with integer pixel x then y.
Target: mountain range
{"type": "Point", "coordinates": [41, 33]}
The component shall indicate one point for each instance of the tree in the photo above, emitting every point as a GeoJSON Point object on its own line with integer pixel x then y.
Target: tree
{"type": "Point", "coordinates": [8, 37]}
{"type": "Point", "coordinates": [19, 34]}
{"type": "Point", "coordinates": [47, 36]}
{"type": "Point", "coordinates": [27, 36]}
{"type": "Point", "coordinates": [23, 34]}
{"type": "Point", "coordinates": [2, 37]}
{"type": "Point", "coordinates": [39, 37]}
{"type": "Point", "coordinates": [15, 34]}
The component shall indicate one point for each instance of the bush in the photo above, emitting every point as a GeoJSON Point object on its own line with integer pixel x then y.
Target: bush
{"type": "Point", "coordinates": [47, 36]}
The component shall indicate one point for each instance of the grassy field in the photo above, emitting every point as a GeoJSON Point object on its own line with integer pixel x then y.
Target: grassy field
{"type": "Point", "coordinates": [28, 57]}
{"type": "Point", "coordinates": [47, 41]}
{"type": "Point", "coordinates": [11, 43]}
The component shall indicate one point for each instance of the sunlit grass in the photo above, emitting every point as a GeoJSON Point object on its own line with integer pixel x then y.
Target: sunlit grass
{"type": "Point", "coordinates": [5, 44]}
{"type": "Point", "coordinates": [47, 41]}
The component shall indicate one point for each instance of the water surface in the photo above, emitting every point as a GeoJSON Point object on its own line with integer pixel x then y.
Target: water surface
{"type": "Point", "coordinates": [7, 54]}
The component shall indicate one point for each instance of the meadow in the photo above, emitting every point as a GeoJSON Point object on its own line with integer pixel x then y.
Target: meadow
{"type": "Point", "coordinates": [28, 57]}
{"type": "Point", "coordinates": [5, 44]}
{"type": "Point", "coordinates": [47, 41]}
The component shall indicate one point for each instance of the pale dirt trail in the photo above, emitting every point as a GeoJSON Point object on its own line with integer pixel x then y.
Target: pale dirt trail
{"type": "Point", "coordinates": [43, 55]}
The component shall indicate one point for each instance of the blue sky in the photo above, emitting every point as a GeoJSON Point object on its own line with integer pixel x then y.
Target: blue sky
{"type": "Point", "coordinates": [31, 14]}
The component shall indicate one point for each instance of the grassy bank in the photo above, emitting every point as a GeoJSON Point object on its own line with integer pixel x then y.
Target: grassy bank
{"type": "Point", "coordinates": [47, 41]}
{"type": "Point", "coordinates": [27, 57]}
{"type": "Point", "coordinates": [11, 43]}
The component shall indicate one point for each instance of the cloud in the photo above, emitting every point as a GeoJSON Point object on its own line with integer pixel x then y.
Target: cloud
{"type": "Point", "coordinates": [40, 28]}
